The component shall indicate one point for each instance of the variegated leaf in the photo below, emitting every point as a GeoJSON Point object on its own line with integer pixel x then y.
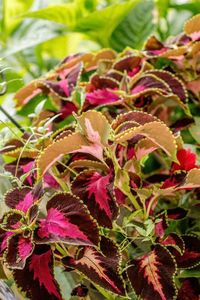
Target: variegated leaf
{"type": "Point", "coordinates": [67, 221]}
{"type": "Point", "coordinates": [96, 192]}
{"type": "Point", "coordinates": [174, 83]}
{"type": "Point", "coordinates": [36, 281]}
{"type": "Point", "coordinates": [102, 268]}
{"type": "Point", "coordinates": [191, 256]}
{"type": "Point", "coordinates": [19, 249]}
{"type": "Point", "coordinates": [94, 126]}
{"type": "Point", "coordinates": [151, 276]}
{"type": "Point", "coordinates": [23, 198]}
{"type": "Point", "coordinates": [165, 141]}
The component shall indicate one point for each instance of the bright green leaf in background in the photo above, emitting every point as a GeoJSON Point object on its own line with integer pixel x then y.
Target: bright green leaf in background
{"type": "Point", "coordinates": [135, 28]}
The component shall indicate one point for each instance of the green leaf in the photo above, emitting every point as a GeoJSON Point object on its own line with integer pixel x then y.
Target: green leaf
{"type": "Point", "coordinates": [176, 24]}
{"type": "Point", "coordinates": [195, 129]}
{"type": "Point", "coordinates": [190, 273]}
{"type": "Point", "coordinates": [65, 281]}
{"type": "Point", "coordinates": [66, 14]}
{"type": "Point", "coordinates": [162, 6]}
{"type": "Point", "coordinates": [12, 9]}
{"type": "Point", "coordinates": [31, 35]}
{"type": "Point", "coordinates": [135, 28]}
{"type": "Point", "coordinates": [99, 24]}
{"type": "Point", "coordinates": [193, 7]}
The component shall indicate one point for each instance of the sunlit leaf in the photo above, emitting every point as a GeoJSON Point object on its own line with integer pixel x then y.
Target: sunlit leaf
{"type": "Point", "coordinates": [135, 28]}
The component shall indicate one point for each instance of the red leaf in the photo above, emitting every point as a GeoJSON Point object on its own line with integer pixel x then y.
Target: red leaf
{"type": "Point", "coordinates": [100, 267]}
{"type": "Point", "coordinates": [152, 275]}
{"type": "Point", "coordinates": [36, 280]}
{"type": "Point", "coordinates": [94, 189]}
{"type": "Point", "coordinates": [175, 241]}
{"type": "Point", "coordinates": [161, 225]}
{"type": "Point", "coordinates": [67, 109]}
{"type": "Point", "coordinates": [187, 160]}
{"type": "Point", "coordinates": [68, 221]}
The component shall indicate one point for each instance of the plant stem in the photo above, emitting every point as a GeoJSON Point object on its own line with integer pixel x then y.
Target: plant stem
{"type": "Point", "coordinates": [3, 78]}
{"type": "Point", "coordinates": [11, 119]}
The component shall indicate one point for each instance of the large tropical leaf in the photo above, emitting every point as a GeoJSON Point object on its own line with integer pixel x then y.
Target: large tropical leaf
{"type": "Point", "coordinates": [99, 24]}
{"type": "Point", "coordinates": [135, 27]}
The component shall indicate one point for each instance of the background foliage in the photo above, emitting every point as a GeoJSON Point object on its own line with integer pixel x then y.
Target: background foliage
{"type": "Point", "coordinates": [36, 35]}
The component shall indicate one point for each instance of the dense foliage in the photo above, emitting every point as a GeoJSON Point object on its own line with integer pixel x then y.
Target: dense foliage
{"type": "Point", "coordinates": [106, 181]}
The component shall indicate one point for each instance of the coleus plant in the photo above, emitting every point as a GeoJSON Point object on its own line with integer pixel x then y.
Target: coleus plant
{"type": "Point", "coordinates": [106, 183]}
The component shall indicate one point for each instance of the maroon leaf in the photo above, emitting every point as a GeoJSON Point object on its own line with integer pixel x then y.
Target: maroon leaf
{"type": "Point", "coordinates": [134, 116]}
{"type": "Point", "coordinates": [176, 213]}
{"type": "Point", "coordinates": [23, 198]}
{"type": "Point", "coordinates": [131, 64]}
{"type": "Point", "coordinates": [26, 165]}
{"type": "Point", "coordinates": [100, 267]}
{"type": "Point", "coordinates": [161, 225]}
{"type": "Point", "coordinates": [67, 109]}
{"type": "Point", "coordinates": [174, 83]}
{"type": "Point", "coordinates": [149, 83]}
{"type": "Point", "coordinates": [100, 82]}
{"type": "Point", "coordinates": [36, 280]}
{"type": "Point", "coordinates": [68, 221]}
{"type": "Point", "coordinates": [189, 289]}
{"type": "Point", "coordinates": [191, 255]}
{"type": "Point", "coordinates": [12, 220]}
{"type": "Point", "coordinates": [80, 291]}
{"type": "Point", "coordinates": [20, 199]}
{"type": "Point", "coordinates": [175, 241]}
{"type": "Point", "coordinates": [152, 275]}
{"type": "Point", "coordinates": [19, 249]}
{"type": "Point", "coordinates": [72, 76]}
{"type": "Point", "coordinates": [4, 236]}
{"type": "Point", "coordinates": [96, 192]}
{"type": "Point", "coordinates": [57, 88]}
{"type": "Point", "coordinates": [154, 47]}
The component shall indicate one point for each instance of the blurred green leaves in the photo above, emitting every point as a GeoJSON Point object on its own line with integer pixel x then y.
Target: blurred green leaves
{"type": "Point", "coordinates": [98, 24]}
{"type": "Point", "coordinates": [135, 28]}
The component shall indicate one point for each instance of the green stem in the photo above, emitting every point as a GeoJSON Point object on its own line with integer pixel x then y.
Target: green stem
{"type": "Point", "coordinates": [3, 79]}
{"type": "Point", "coordinates": [12, 120]}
